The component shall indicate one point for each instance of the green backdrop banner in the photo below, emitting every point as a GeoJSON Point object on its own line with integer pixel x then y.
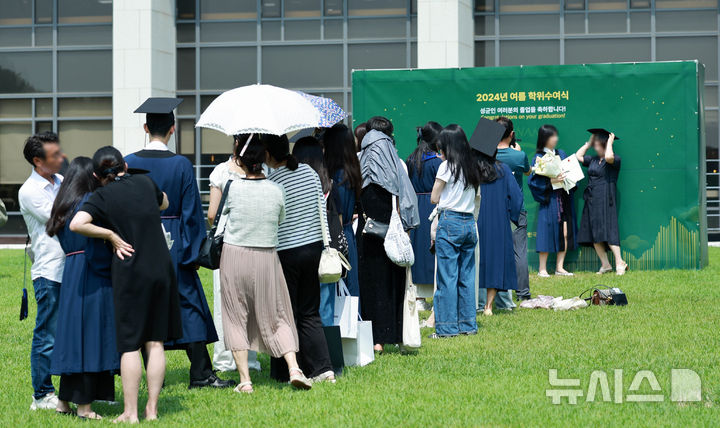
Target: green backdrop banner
{"type": "Point", "coordinates": [656, 109]}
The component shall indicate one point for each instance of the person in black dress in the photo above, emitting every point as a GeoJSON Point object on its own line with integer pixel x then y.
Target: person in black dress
{"type": "Point", "coordinates": [145, 294]}
{"type": "Point", "coordinates": [599, 223]}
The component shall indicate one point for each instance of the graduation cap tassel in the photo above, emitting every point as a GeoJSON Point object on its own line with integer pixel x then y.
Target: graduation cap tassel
{"type": "Point", "coordinates": [24, 301]}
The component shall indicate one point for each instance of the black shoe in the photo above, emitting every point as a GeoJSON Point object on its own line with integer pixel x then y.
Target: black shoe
{"type": "Point", "coordinates": [212, 382]}
{"type": "Point", "coordinates": [521, 298]}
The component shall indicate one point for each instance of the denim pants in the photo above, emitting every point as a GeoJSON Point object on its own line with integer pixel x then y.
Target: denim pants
{"type": "Point", "coordinates": [46, 295]}
{"type": "Point", "coordinates": [327, 303]}
{"type": "Point", "coordinates": [455, 295]}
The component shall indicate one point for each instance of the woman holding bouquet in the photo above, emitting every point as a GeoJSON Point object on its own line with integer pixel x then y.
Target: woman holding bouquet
{"type": "Point", "coordinates": [556, 227]}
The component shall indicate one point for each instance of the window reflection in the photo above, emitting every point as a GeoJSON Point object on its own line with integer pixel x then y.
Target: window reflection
{"type": "Point", "coordinates": [376, 7]}
{"type": "Point", "coordinates": [302, 8]}
{"type": "Point", "coordinates": [228, 9]}
{"type": "Point", "coordinates": [84, 71]}
{"type": "Point", "coordinates": [83, 11]}
{"type": "Point", "coordinates": [23, 72]}
{"type": "Point", "coordinates": [16, 12]}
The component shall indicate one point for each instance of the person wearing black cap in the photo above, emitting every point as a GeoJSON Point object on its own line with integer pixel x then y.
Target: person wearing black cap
{"type": "Point", "coordinates": [556, 219]}
{"type": "Point", "coordinates": [599, 222]}
{"type": "Point", "coordinates": [501, 204]}
{"type": "Point", "coordinates": [184, 220]}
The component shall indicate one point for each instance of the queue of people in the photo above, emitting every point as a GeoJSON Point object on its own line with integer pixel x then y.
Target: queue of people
{"type": "Point", "coordinates": [116, 243]}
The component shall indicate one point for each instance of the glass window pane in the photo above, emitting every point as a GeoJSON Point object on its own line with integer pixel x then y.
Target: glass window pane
{"type": "Point", "coordinates": [484, 25]}
{"type": "Point", "coordinates": [575, 23]}
{"type": "Point", "coordinates": [14, 169]}
{"type": "Point", "coordinates": [185, 70]}
{"type": "Point", "coordinates": [228, 32]}
{"type": "Point", "coordinates": [79, 138]}
{"type": "Point", "coordinates": [529, 24]}
{"type": "Point", "coordinates": [484, 5]}
{"type": "Point", "coordinates": [679, 4]}
{"type": "Point", "coordinates": [43, 127]}
{"type": "Point", "coordinates": [43, 107]}
{"type": "Point", "coordinates": [529, 52]}
{"type": "Point", "coordinates": [227, 68]}
{"type": "Point", "coordinates": [43, 11]}
{"type": "Point", "coordinates": [333, 29]}
{"type": "Point", "coordinates": [607, 22]}
{"type": "Point", "coordinates": [185, 9]}
{"type": "Point", "coordinates": [640, 22]}
{"type": "Point", "coordinates": [15, 36]}
{"type": "Point", "coordinates": [186, 137]}
{"type": "Point", "coordinates": [413, 55]}
{"type": "Point", "coordinates": [711, 133]}
{"type": "Point", "coordinates": [376, 28]}
{"type": "Point", "coordinates": [302, 8]}
{"type": "Point", "coordinates": [711, 96]}
{"type": "Point", "coordinates": [271, 30]}
{"type": "Point", "coordinates": [376, 56]}
{"type": "Point", "coordinates": [574, 4]}
{"type": "Point", "coordinates": [16, 12]}
{"type": "Point", "coordinates": [85, 35]}
{"type": "Point", "coordinates": [80, 107]}
{"type": "Point", "coordinates": [228, 9]}
{"type": "Point", "coordinates": [529, 5]}
{"type": "Point", "coordinates": [24, 72]}
{"type": "Point", "coordinates": [187, 107]}
{"type": "Point", "coordinates": [704, 49]}
{"type": "Point", "coordinates": [43, 36]}
{"type": "Point", "coordinates": [271, 8]}
{"type": "Point", "coordinates": [607, 4]}
{"type": "Point", "coordinates": [640, 4]}
{"type": "Point", "coordinates": [376, 7]}
{"type": "Point", "coordinates": [206, 100]}
{"type": "Point", "coordinates": [333, 7]}
{"type": "Point", "coordinates": [15, 108]}
{"type": "Point", "coordinates": [303, 67]}
{"type": "Point", "coordinates": [484, 54]}
{"type": "Point", "coordinates": [84, 71]}
{"type": "Point", "coordinates": [214, 142]}
{"type": "Point", "coordinates": [606, 50]}
{"type": "Point", "coordinates": [83, 11]}
{"type": "Point", "coordinates": [686, 21]}
{"type": "Point", "coordinates": [185, 33]}
{"type": "Point", "coordinates": [302, 30]}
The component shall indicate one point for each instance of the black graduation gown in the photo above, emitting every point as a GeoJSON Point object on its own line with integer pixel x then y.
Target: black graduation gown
{"type": "Point", "coordinates": [599, 221]}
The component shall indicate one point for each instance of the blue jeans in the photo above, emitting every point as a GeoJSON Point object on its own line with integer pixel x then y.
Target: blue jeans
{"type": "Point", "coordinates": [46, 295]}
{"type": "Point", "coordinates": [327, 303]}
{"type": "Point", "coordinates": [503, 299]}
{"type": "Point", "coordinates": [455, 296]}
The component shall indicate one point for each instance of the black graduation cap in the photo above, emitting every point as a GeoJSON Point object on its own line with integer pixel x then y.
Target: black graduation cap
{"type": "Point", "coordinates": [159, 109]}
{"type": "Point", "coordinates": [486, 137]}
{"type": "Point", "coordinates": [601, 131]}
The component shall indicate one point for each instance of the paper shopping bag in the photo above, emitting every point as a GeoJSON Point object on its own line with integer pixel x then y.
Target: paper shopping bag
{"type": "Point", "coordinates": [346, 311]}
{"type": "Point", "coordinates": [359, 351]}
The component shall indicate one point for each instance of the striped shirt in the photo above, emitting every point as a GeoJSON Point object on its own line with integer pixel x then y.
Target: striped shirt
{"type": "Point", "coordinates": [302, 216]}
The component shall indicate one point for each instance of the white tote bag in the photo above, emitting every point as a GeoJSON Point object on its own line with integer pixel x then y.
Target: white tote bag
{"type": "Point", "coordinates": [332, 261]}
{"type": "Point", "coordinates": [346, 311]}
{"type": "Point", "coordinates": [411, 321]}
{"type": "Point", "coordinates": [361, 350]}
{"type": "Point", "coordinates": [397, 243]}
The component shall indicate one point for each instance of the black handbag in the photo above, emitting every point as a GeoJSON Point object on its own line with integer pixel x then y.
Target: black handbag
{"type": "Point", "coordinates": [375, 228]}
{"type": "Point", "coordinates": [211, 247]}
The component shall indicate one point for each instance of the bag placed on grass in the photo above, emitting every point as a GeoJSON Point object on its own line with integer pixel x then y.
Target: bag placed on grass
{"type": "Point", "coordinates": [360, 351]}
{"type": "Point", "coordinates": [411, 320]}
{"type": "Point", "coordinates": [605, 296]}
{"type": "Point", "coordinates": [346, 311]}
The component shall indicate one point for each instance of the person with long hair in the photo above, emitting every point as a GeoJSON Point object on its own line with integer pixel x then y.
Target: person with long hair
{"type": "Point", "coordinates": [85, 354]}
{"type": "Point", "coordinates": [299, 248]}
{"type": "Point", "coordinates": [222, 173]}
{"type": "Point", "coordinates": [599, 221]}
{"type": "Point", "coordinates": [454, 191]}
{"type": "Point", "coordinates": [257, 312]}
{"type": "Point", "coordinates": [422, 165]}
{"type": "Point", "coordinates": [556, 219]}
{"type": "Point", "coordinates": [344, 168]}
{"type": "Point", "coordinates": [126, 212]}
{"type": "Point", "coordinates": [501, 204]}
{"type": "Point", "coordinates": [359, 134]}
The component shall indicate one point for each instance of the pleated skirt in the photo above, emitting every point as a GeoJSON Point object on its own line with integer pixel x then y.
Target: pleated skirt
{"type": "Point", "coordinates": [256, 310]}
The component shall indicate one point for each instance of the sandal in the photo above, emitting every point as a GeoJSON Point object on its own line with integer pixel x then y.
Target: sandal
{"type": "Point", "coordinates": [70, 412]}
{"type": "Point", "coordinates": [604, 270]}
{"type": "Point", "coordinates": [90, 416]}
{"type": "Point", "coordinates": [239, 389]}
{"type": "Point", "coordinates": [328, 376]}
{"type": "Point", "coordinates": [298, 380]}
{"type": "Point", "coordinates": [622, 269]}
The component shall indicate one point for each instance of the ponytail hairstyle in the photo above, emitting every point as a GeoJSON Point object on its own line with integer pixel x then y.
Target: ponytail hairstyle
{"type": "Point", "coordinates": [426, 142]}
{"type": "Point", "coordinates": [253, 156]}
{"type": "Point", "coordinates": [544, 133]}
{"type": "Point", "coordinates": [455, 147]}
{"type": "Point", "coordinates": [278, 147]}
{"type": "Point", "coordinates": [78, 181]}
{"type": "Point", "coordinates": [308, 150]}
{"type": "Point", "coordinates": [108, 163]}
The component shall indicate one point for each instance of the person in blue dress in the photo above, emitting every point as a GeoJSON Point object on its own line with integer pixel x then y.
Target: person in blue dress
{"type": "Point", "coordinates": [423, 164]}
{"type": "Point", "coordinates": [342, 164]}
{"type": "Point", "coordinates": [185, 221]}
{"type": "Point", "coordinates": [556, 219]}
{"type": "Point", "coordinates": [85, 354]}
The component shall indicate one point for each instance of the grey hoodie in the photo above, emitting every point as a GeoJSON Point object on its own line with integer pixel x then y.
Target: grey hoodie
{"type": "Point", "coordinates": [380, 164]}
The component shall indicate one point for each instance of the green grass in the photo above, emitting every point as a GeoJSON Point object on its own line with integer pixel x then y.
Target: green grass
{"type": "Point", "coordinates": [497, 378]}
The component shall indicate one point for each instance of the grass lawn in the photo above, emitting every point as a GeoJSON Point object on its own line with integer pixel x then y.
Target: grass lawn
{"type": "Point", "coordinates": [497, 378]}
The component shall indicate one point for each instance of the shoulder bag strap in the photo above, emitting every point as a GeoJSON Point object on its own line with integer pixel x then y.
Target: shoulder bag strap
{"type": "Point", "coordinates": [221, 206]}
{"type": "Point", "coordinates": [323, 223]}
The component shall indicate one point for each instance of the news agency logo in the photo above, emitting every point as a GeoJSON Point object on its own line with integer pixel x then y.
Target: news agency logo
{"type": "Point", "coordinates": [685, 386]}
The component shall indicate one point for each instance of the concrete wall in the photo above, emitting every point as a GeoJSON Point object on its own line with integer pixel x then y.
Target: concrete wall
{"type": "Point", "coordinates": [445, 33]}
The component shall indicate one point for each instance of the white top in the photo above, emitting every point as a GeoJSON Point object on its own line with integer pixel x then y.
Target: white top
{"type": "Point", "coordinates": [254, 210]}
{"type": "Point", "coordinates": [157, 145]}
{"type": "Point", "coordinates": [36, 197]}
{"type": "Point", "coordinates": [455, 197]}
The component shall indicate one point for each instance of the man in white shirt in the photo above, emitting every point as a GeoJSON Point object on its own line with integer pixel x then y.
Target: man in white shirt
{"type": "Point", "coordinates": [36, 197]}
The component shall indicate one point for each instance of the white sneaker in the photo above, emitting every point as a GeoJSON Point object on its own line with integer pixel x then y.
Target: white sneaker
{"type": "Point", "coordinates": [50, 401]}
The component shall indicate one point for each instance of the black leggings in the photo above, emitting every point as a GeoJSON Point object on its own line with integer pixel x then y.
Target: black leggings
{"type": "Point", "coordinates": [300, 267]}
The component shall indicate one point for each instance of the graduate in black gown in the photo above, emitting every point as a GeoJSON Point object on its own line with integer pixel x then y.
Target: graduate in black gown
{"type": "Point", "coordinates": [599, 223]}
{"type": "Point", "coordinates": [185, 221]}
{"type": "Point", "coordinates": [126, 213]}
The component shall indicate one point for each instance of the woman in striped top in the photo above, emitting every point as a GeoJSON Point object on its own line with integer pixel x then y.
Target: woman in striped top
{"type": "Point", "coordinates": [299, 248]}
